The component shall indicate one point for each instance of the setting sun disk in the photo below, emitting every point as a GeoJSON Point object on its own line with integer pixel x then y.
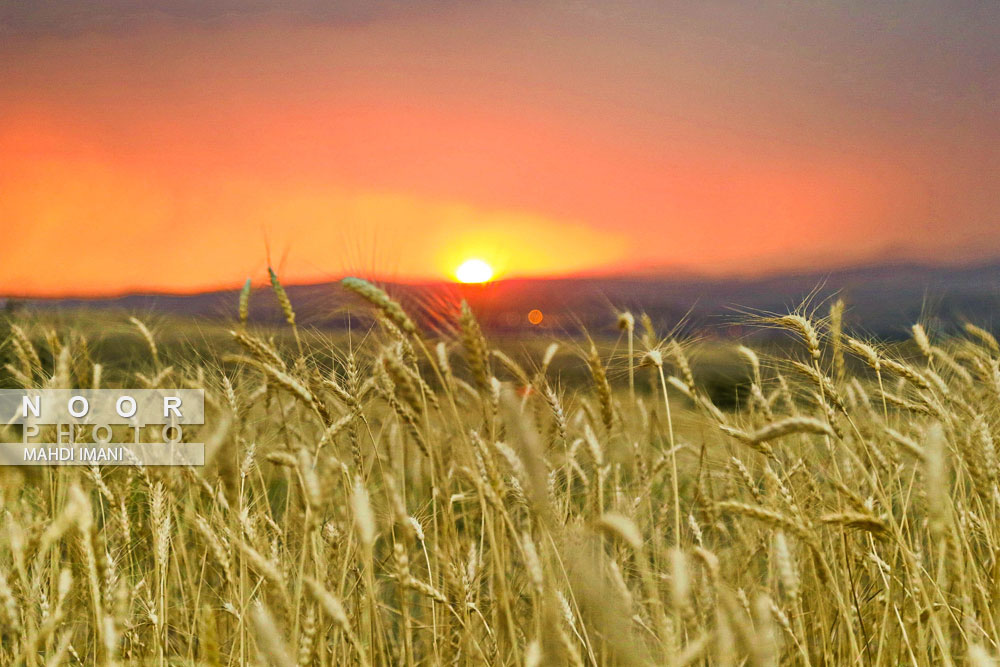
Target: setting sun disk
{"type": "Point", "coordinates": [474, 271]}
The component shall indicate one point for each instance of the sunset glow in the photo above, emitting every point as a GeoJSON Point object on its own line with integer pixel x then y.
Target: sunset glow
{"type": "Point", "coordinates": [575, 138]}
{"type": "Point", "coordinates": [474, 271]}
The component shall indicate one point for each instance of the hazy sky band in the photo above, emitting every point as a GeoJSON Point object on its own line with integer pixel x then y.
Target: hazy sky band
{"type": "Point", "coordinates": [164, 148]}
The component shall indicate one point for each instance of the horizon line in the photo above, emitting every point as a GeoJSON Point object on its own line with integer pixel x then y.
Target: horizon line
{"type": "Point", "coordinates": [645, 275]}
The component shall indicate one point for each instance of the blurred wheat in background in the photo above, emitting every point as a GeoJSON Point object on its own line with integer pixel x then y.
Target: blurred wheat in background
{"type": "Point", "coordinates": [402, 498]}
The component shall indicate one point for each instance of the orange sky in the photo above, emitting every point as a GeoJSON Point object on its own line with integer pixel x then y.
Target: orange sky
{"type": "Point", "coordinates": [168, 149]}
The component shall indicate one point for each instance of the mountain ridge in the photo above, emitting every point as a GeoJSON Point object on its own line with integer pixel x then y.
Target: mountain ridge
{"type": "Point", "coordinates": [880, 297]}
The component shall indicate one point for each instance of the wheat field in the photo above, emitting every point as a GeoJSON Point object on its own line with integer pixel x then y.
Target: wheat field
{"type": "Point", "coordinates": [401, 497]}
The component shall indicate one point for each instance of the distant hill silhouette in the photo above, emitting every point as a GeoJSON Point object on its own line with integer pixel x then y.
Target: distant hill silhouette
{"type": "Point", "coordinates": [883, 300]}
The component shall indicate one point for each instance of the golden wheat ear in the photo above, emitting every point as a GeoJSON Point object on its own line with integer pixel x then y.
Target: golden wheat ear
{"type": "Point", "coordinates": [382, 301]}
{"type": "Point", "coordinates": [244, 304]}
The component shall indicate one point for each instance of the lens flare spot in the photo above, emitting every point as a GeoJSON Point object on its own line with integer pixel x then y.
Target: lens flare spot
{"type": "Point", "coordinates": [535, 316]}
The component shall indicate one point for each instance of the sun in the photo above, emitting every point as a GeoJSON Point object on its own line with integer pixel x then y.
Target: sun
{"type": "Point", "coordinates": [474, 271]}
